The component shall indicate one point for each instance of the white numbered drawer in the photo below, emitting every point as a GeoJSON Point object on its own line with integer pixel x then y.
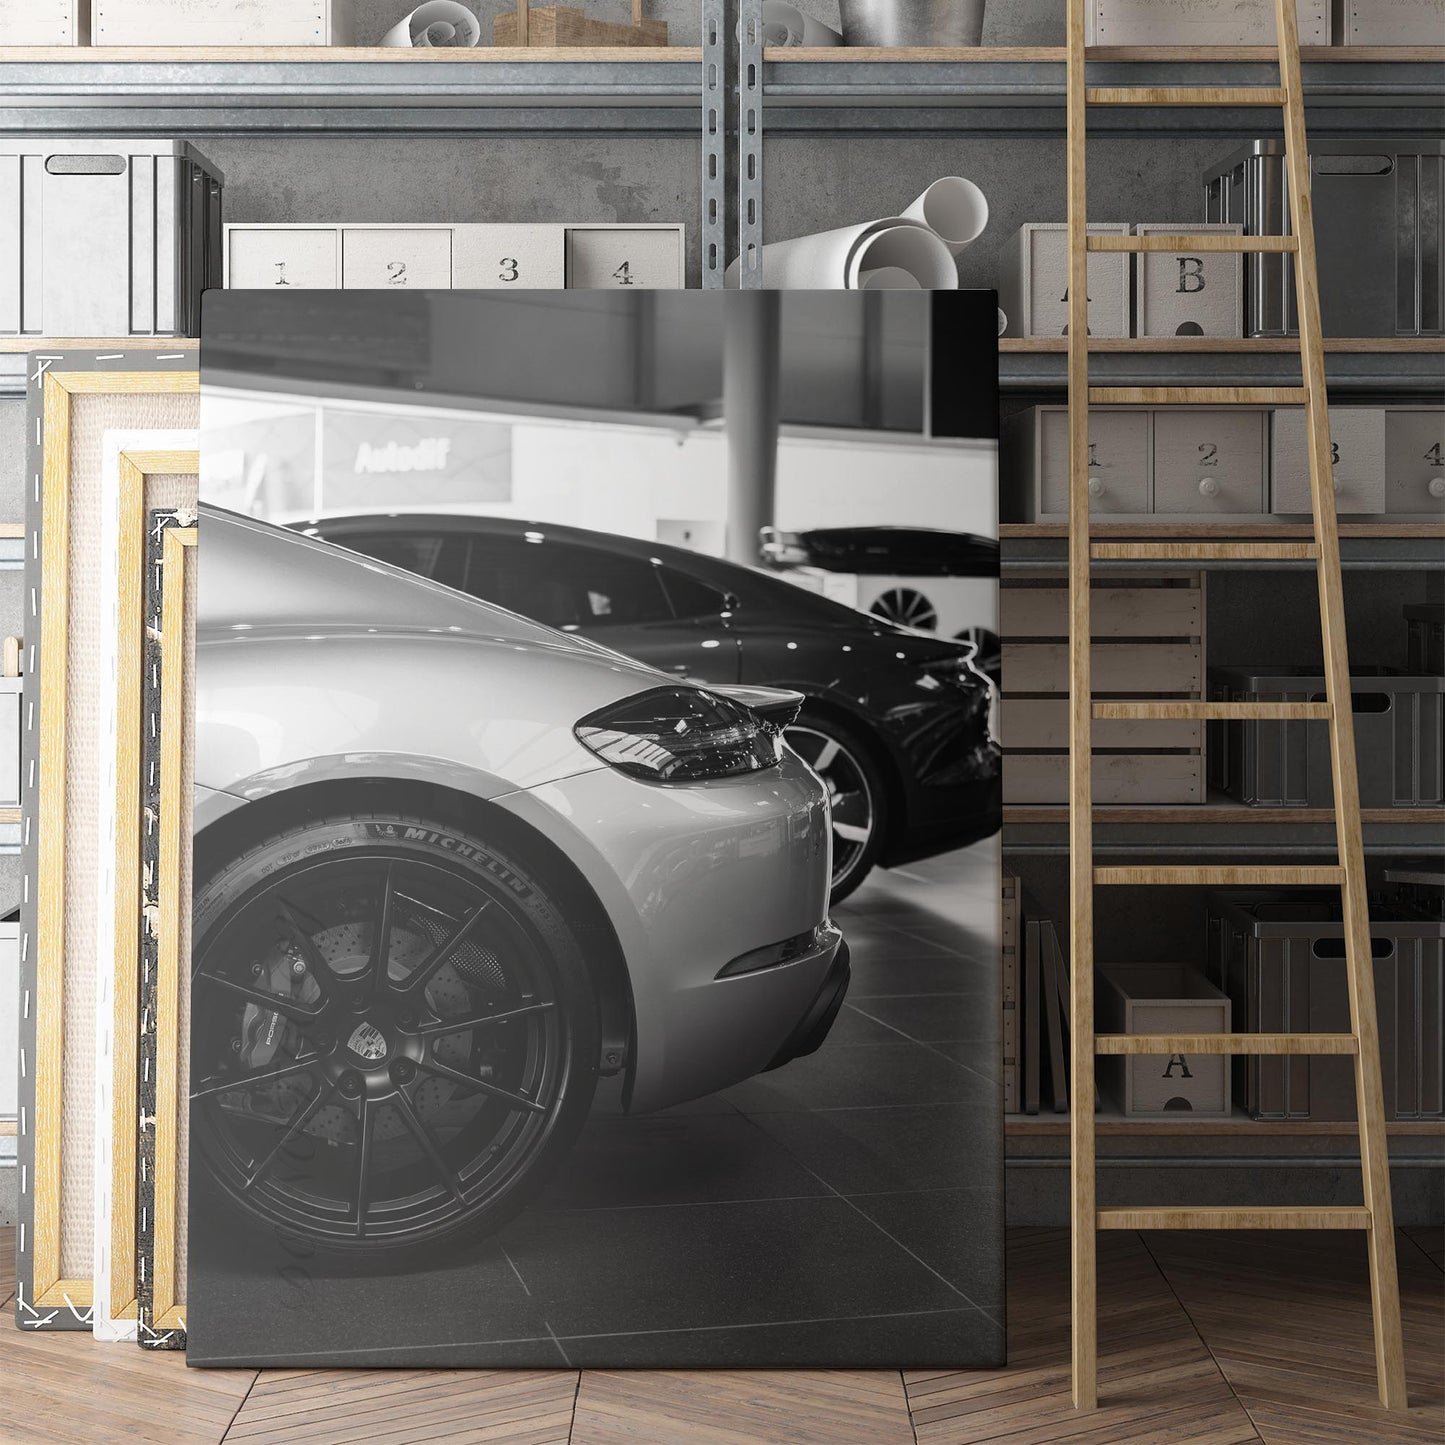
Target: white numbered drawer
{"type": "Point", "coordinates": [1357, 447]}
{"type": "Point", "coordinates": [604, 256]}
{"type": "Point", "coordinates": [1414, 459]}
{"type": "Point", "coordinates": [375, 258]}
{"type": "Point", "coordinates": [497, 257]}
{"type": "Point", "coordinates": [274, 257]}
{"type": "Point", "coordinates": [1208, 461]}
{"type": "Point", "coordinates": [1118, 462]}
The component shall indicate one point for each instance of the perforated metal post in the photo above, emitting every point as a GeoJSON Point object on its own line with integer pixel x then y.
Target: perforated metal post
{"type": "Point", "coordinates": [750, 144]}
{"type": "Point", "coordinates": [715, 88]}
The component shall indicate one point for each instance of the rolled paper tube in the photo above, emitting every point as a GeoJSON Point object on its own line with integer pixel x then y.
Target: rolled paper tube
{"type": "Point", "coordinates": [786, 25]}
{"type": "Point", "coordinates": [905, 246]}
{"type": "Point", "coordinates": [1002, 321]}
{"type": "Point", "coordinates": [835, 260]}
{"type": "Point", "coordinates": [888, 278]}
{"type": "Point", "coordinates": [954, 209]}
{"type": "Point", "coordinates": [437, 25]}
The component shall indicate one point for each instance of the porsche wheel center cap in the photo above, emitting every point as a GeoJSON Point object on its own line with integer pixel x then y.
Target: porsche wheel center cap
{"type": "Point", "coordinates": [368, 1043]}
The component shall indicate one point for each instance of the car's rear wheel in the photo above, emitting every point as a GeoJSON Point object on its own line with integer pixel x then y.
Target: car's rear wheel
{"type": "Point", "coordinates": [394, 1035]}
{"type": "Point", "coordinates": [855, 794]}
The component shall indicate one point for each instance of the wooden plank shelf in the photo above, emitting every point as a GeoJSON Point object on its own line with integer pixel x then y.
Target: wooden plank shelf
{"type": "Point", "coordinates": [1023, 1126]}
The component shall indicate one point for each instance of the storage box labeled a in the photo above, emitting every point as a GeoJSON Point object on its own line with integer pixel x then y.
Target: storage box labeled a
{"type": "Point", "coordinates": [106, 237]}
{"type": "Point", "coordinates": [43, 22]}
{"type": "Point", "coordinates": [1399, 739]}
{"type": "Point", "coordinates": [1357, 452]}
{"type": "Point", "coordinates": [1377, 214]}
{"type": "Point", "coordinates": [1033, 289]}
{"type": "Point", "coordinates": [1415, 460]}
{"type": "Point", "coordinates": [1389, 22]}
{"type": "Point", "coordinates": [1281, 959]}
{"type": "Point", "coordinates": [1149, 998]}
{"type": "Point", "coordinates": [1189, 293]}
{"type": "Point", "coordinates": [221, 22]}
{"type": "Point", "coordinates": [1200, 22]}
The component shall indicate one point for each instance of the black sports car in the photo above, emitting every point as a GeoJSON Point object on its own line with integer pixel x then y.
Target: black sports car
{"type": "Point", "coordinates": [896, 721]}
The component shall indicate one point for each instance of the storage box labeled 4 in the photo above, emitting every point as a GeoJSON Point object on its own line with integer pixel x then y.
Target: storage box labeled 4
{"type": "Point", "coordinates": [1189, 293]}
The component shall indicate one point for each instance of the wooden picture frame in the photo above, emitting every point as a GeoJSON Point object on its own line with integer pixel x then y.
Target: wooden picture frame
{"type": "Point", "coordinates": [75, 397]}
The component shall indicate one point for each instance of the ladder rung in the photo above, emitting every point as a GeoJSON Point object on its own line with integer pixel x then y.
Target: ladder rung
{"type": "Point", "coordinates": [1189, 241]}
{"type": "Point", "coordinates": [1185, 95]}
{"type": "Point", "coordinates": [1223, 1217]}
{"type": "Point", "coordinates": [1265, 1044]}
{"type": "Point", "coordinates": [1198, 395]}
{"type": "Point", "coordinates": [1227, 876]}
{"type": "Point", "coordinates": [1215, 711]}
{"type": "Point", "coordinates": [1205, 551]}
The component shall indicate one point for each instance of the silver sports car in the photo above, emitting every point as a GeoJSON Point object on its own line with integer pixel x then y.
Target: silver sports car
{"type": "Point", "coordinates": [451, 867]}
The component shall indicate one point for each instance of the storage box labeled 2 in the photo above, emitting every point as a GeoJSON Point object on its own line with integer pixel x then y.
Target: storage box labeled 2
{"type": "Point", "coordinates": [1189, 293]}
{"type": "Point", "coordinates": [106, 237]}
{"type": "Point", "coordinates": [1150, 998]}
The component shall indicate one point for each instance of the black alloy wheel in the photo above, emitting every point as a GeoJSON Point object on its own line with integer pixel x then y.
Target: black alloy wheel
{"type": "Point", "coordinates": [907, 607]}
{"type": "Point", "coordinates": [855, 796]}
{"type": "Point", "coordinates": [393, 1034]}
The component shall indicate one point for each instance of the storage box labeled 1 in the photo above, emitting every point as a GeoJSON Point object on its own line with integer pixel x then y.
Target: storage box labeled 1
{"type": "Point", "coordinates": [106, 237]}
{"type": "Point", "coordinates": [1163, 999]}
{"type": "Point", "coordinates": [1033, 289]}
{"type": "Point", "coordinates": [221, 22]}
{"type": "Point", "coordinates": [1357, 452]}
{"type": "Point", "coordinates": [1201, 22]}
{"type": "Point", "coordinates": [1189, 293]}
{"type": "Point", "coordinates": [1389, 22]}
{"type": "Point", "coordinates": [43, 22]}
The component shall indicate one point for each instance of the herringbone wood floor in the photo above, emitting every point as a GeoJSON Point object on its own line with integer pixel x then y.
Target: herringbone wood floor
{"type": "Point", "coordinates": [1205, 1340]}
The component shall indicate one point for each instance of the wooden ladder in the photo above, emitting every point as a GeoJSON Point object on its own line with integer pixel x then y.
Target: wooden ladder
{"type": "Point", "coordinates": [1376, 1217]}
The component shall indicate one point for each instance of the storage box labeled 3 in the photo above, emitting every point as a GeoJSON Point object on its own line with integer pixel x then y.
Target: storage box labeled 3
{"type": "Point", "coordinates": [1389, 22]}
{"type": "Point", "coordinates": [106, 237]}
{"type": "Point", "coordinates": [1357, 449]}
{"type": "Point", "coordinates": [1184, 293]}
{"type": "Point", "coordinates": [1033, 288]}
{"type": "Point", "coordinates": [221, 22]}
{"type": "Point", "coordinates": [1151, 998]}
{"type": "Point", "coordinates": [1201, 22]}
{"type": "Point", "coordinates": [43, 22]}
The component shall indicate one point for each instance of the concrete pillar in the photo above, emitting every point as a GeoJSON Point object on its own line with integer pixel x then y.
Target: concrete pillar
{"type": "Point", "coordinates": [751, 407]}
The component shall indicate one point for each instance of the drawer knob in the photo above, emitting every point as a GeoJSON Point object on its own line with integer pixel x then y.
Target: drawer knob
{"type": "Point", "coordinates": [1096, 485]}
{"type": "Point", "coordinates": [1208, 487]}
{"type": "Point", "coordinates": [1436, 487]}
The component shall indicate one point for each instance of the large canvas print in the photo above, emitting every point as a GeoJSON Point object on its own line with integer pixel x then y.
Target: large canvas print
{"type": "Point", "coordinates": [596, 881]}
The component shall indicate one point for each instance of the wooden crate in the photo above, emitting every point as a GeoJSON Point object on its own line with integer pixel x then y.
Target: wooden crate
{"type": "Point", "coordinates": [1148, 637]}
{"type": "Point", "coordinates": [554, 26]}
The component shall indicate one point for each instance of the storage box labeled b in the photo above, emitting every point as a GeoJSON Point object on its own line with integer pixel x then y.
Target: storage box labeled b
{"type": "Point", "coordinates": [1150, 998]}
{"type": "Point", "coordinates": [1189, 292]}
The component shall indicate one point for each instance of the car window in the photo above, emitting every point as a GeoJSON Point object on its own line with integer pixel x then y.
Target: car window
{"type": "Point", "coordinates": [574, 588]}
{"type": "Point", "coordinates": [691, 598]}
{"type": "Point", "coordinates": [439, 556]}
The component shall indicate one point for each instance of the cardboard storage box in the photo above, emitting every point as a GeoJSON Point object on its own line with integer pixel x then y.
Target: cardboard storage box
{"type": "Point", "coordinates": [1035, 461]}
{"type": "Point", "coordinates": [1200, 22]}
{"type": "Point", "coordinates": [1208, 461]}
{"type": "Point", "coordinates": [1033, 289]}
{"type": "Point", "coordinates": [1281, 959]}
{"type": "Point", "coordinates": [1357, 444]}
{"type": "Point", "coordinates": [1389, 22]}
{"type": "Point", "coordinates": [1377, 218]}
{"type": "Point", "coordinates": [221, 22]}
{"type": "Point", "coordinates": [1188, 293]}
{"type": "Point", "coordinates": [1399, 739]}
{"type": "Point", "coordinates": [1415, 460]}
{"type": "Point", "coordinates": [1149, 998]}
{"type": "Point", "coordinates": [44, 22]}
{"type": "Point", "coordinates": [106, 237]}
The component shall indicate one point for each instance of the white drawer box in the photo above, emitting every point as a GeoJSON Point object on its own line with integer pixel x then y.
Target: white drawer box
{"type": "Point", "coordinates": [603, 256]}
{"type": "Point", "coordinates": [1034, 282]}
{"type": "Point", "coordinates": [1208, 462]}
{"type": "Point", "coordinates": [43, 22]}
{"type": "Point", "coordinates": [1201, 22]}
{"type": "Point", "coordinates": [1415, 459]}
{"type": "Point", "coordinates": [221, 22]}
{"type": "Point", "coordinates": [303, 257]}
{"type": "Point", "coordinates": [1189, 293]}
{"type": "Point", "coordinates": [376, 258]}
{"type": "Point", "coordinates": [486, 258]}
{"type": "Point", "coordinates": [1037, 457]}
{"type": "Point", "coordinates": [1357, 437]}
{"type": "Point", "coordinates": [1389, 22]}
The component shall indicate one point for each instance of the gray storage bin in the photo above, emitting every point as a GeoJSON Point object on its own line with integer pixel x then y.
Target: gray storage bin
{"type": "Point", "coordinates": [1280, 958]}
{"type": "Point", "coordinates": [1425, 637]}
{"type": "Point", "coordinates": [106, 238]}
{"type": "Point", "coordinates": [1399, 738]}
{"type": "Point", "coordinates": [1377, 210]}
